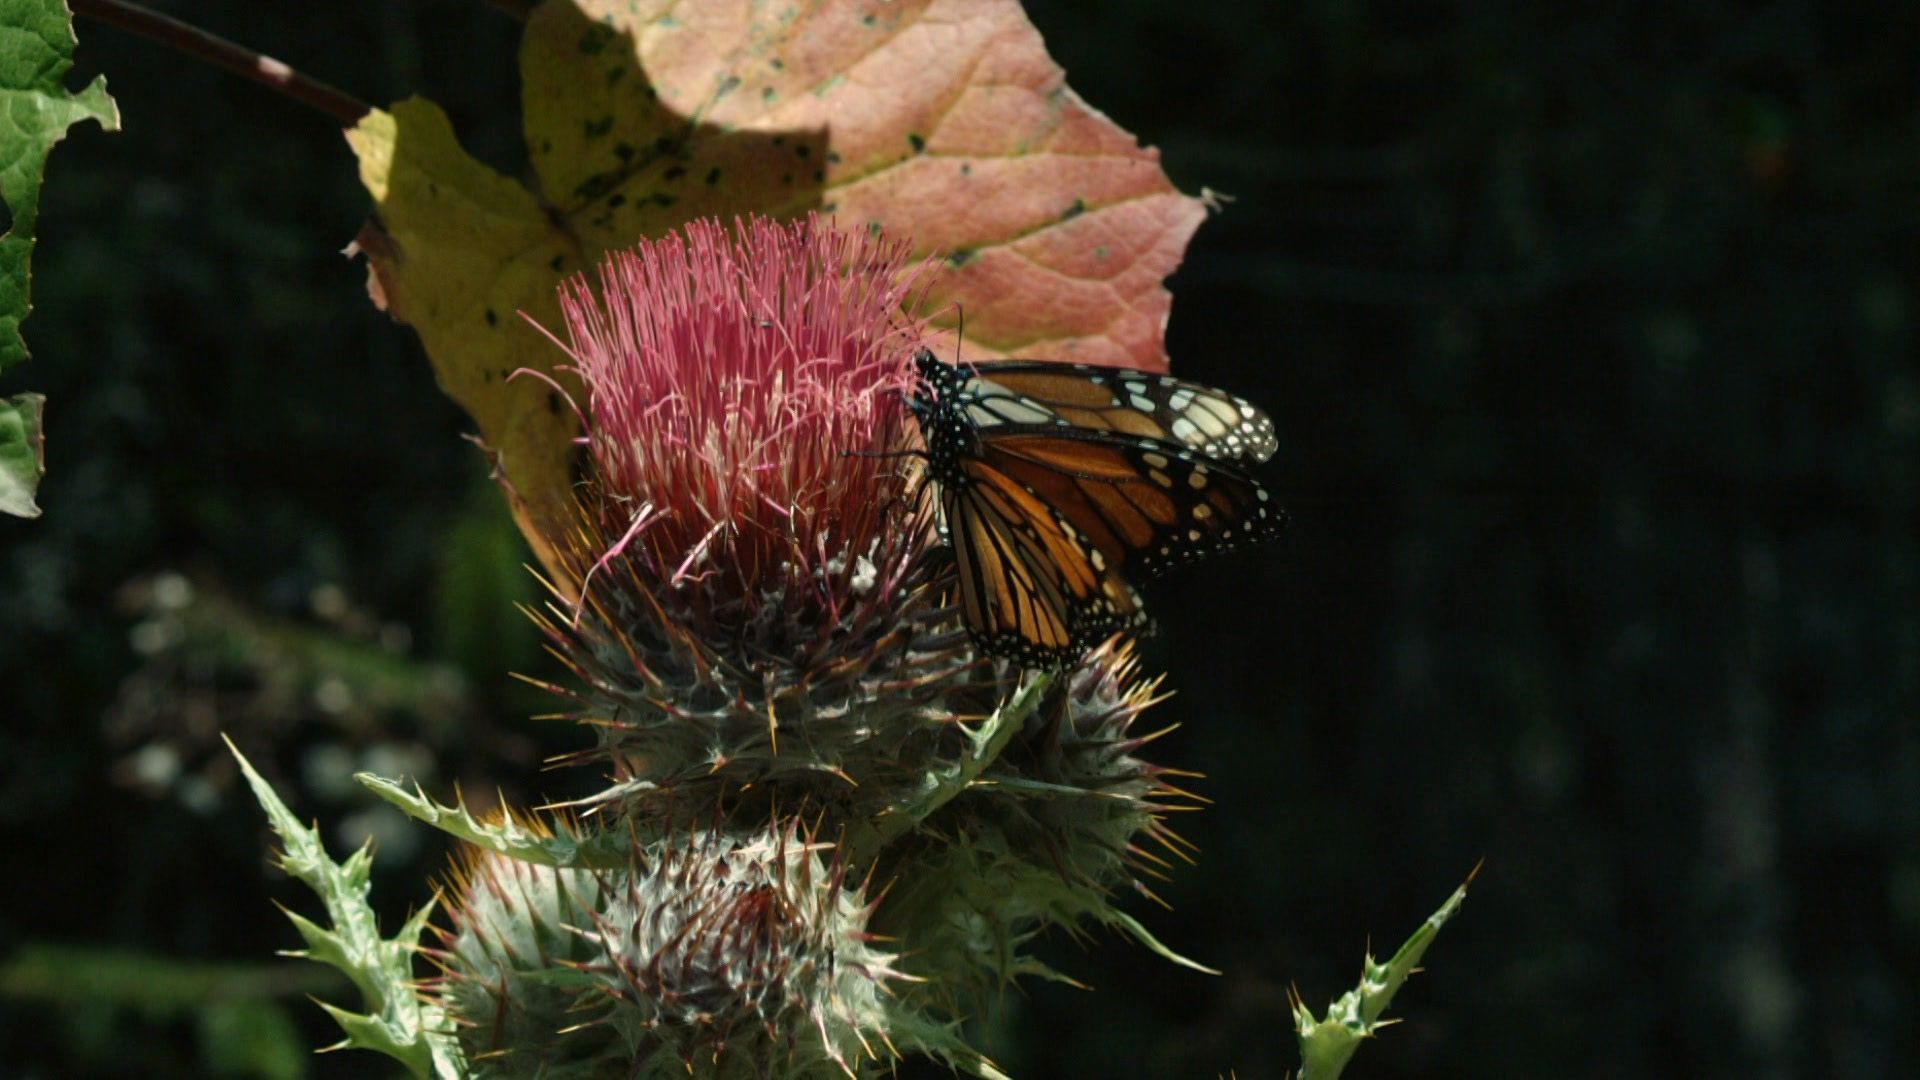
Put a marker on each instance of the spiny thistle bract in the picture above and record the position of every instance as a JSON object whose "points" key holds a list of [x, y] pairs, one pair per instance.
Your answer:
{"points": [[841, 827]]}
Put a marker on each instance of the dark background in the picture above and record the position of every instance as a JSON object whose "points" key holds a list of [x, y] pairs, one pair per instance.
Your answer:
{"points": [[1590, 337]]}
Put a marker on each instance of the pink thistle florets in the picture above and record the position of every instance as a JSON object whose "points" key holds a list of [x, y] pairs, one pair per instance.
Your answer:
{"points": [[739, 383], [752, 556]]}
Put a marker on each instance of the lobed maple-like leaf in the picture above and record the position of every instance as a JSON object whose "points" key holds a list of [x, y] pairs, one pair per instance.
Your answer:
{"points": [[943, 121], [36, 50]]}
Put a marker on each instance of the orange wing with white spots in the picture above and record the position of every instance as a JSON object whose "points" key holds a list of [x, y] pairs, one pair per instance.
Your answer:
{"points": [[1057, 482]]}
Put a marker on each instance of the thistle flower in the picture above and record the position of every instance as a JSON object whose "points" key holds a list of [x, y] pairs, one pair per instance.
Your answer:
{"points": [[758, 589]]}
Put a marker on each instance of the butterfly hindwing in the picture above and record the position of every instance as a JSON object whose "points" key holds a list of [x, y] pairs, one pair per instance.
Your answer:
{"points": [[1030, 585], [1144, 506]]}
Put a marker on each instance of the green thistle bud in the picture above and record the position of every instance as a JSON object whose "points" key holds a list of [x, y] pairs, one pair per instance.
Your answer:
{"points": [[506, 965], [714, 953]]}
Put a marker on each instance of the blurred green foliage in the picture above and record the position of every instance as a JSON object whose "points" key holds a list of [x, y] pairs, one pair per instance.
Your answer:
{"points": [[1590, 338], [97, 995]]}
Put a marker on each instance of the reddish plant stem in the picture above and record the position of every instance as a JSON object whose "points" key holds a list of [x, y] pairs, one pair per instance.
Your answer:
{"points": [[246, 63]]}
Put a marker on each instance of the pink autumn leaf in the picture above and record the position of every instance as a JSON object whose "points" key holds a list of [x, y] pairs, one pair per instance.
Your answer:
{"points": [[943, 122]]}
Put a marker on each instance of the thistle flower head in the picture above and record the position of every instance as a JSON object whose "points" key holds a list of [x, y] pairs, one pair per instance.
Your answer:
{"points": [[748, 559]]}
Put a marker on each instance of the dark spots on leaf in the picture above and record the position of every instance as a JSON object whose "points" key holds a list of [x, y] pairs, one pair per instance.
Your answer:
{"points": [[1079, 207], [616, 75], [869, 20], [777, 64], [546, 146], [559, 263], [727, 86], [961, 257], [1100, 252], [553, 403], [830, 208], [600, 127], [819, 176], [873, 230], [617, 201], [713, 176], [661, 198], [966, 168], [833, 157], [779, 140], [597, 185], [665, 144], [433, 189], [595, 39], [492, 319], [674, 172], [767, 93], [917, 141], [624, 150], [803, 150], [786, 178]]}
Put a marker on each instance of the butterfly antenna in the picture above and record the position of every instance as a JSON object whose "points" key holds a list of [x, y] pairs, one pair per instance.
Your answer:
{"points": [[960, 332]]}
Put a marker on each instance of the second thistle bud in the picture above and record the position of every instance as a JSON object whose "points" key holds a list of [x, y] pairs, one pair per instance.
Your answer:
{"points": [[718, 952]]}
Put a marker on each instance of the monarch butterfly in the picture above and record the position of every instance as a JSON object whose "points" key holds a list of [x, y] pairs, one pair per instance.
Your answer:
{"points": [[1058, 480]]}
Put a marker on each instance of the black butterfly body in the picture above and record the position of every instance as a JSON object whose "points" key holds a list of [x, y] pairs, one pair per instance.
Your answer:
{"points": [[1058, 482]]}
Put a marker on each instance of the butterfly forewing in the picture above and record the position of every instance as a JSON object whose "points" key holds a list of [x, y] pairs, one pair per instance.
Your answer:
{"points": [[1212, 422]]}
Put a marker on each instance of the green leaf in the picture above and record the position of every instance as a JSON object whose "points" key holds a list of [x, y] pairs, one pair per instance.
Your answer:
{"points": [[36, 50], [20, 460], [397, 1021], [1141, 934], [535, 843], [1327, 1044], [940, 786]]}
